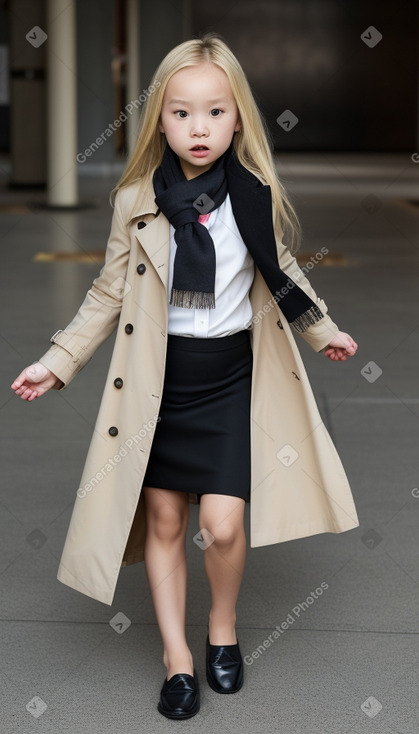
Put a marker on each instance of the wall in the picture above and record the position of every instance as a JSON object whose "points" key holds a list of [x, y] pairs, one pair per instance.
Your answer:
{"points": [[307, 56]]}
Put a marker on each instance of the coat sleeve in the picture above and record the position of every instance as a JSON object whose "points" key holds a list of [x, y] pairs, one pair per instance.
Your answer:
{"points": [[99, 313], [317, 335]]}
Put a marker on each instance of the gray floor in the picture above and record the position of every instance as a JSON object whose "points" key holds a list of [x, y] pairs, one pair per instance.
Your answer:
{"points": [[348, 662]]}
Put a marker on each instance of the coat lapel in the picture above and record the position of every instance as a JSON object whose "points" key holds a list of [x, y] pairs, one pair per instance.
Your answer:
{"points": [[153, 233], [154, 239]]}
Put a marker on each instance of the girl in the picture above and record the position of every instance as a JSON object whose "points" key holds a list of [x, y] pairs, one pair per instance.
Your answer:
{"points": [[206, 388]]}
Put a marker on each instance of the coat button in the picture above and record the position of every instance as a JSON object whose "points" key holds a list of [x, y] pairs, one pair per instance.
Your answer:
{"points": [[118, 382], [278, 323], [129, 329], [141, 225], [141, 268], [113, 431]]}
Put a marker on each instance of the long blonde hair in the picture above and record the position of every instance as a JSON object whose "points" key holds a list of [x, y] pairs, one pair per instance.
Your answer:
{"points": [[251, 142]]}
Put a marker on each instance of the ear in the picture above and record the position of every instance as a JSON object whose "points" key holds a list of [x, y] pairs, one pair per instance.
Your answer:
{"points": [[238, 126], [161, 130]]}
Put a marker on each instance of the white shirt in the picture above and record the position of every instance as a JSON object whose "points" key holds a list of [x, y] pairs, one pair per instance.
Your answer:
{"points": [[234, 273]]}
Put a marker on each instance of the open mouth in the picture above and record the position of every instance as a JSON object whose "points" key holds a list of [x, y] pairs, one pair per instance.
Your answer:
{"points": [[200, 147]]}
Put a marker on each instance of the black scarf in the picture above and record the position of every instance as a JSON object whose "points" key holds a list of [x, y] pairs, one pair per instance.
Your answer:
{"points": [[182, 201]]}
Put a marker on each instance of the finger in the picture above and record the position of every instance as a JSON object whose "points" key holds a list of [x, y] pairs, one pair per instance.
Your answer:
{"points": [[17, 383], [19, 380], [25, 394]]}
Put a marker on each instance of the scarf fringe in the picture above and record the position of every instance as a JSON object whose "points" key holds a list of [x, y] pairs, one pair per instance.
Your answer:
{"points": [[192, 299], [301, 323]]}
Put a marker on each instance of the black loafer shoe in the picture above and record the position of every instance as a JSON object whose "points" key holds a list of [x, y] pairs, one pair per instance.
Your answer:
{"points": [[179, 696], [224, 667]]}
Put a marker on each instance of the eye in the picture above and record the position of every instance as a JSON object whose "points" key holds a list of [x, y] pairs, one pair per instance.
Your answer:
{"points": [[215, 112], [181, 113]]}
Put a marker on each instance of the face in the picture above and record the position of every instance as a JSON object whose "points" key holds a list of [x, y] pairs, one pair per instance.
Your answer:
{"points": [[199, 116]]}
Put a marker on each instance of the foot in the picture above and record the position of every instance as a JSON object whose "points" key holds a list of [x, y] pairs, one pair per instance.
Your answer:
{"points": [[224, 667], [179, 696]]}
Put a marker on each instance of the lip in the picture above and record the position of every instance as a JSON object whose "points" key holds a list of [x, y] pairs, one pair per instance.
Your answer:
{"points": [[199, 151]]}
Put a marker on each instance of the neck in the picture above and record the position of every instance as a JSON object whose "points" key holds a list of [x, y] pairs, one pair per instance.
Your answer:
{"points": [[193, 173]]}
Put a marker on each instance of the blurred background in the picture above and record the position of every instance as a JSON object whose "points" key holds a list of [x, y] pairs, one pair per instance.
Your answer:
{"points": [[346, 69]]}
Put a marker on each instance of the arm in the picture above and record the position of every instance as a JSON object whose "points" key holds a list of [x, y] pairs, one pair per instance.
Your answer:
{"points": [[99, 313], [95, 320]]}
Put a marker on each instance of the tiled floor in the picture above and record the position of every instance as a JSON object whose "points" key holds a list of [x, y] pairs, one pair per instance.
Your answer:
{"points": [[348, 662]]}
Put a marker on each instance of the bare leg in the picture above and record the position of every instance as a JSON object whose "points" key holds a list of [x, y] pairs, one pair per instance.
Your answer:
{"points": [[167, 514], [224, 562]]}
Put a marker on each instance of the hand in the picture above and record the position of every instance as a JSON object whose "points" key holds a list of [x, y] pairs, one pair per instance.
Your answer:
{"points": [[34, 381], [341, 347]]}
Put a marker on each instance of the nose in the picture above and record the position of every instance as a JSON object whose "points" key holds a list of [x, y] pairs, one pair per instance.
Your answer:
{"points": [[199, 129]]}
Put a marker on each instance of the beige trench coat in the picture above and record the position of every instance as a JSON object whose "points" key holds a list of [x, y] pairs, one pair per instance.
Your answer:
{"points": [[298, 484]]}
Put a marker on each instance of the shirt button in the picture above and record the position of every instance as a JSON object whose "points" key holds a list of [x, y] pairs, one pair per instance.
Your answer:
{"points": [[118, 382], [141, 269], [129, 329], [141, 225], [113, 431]]}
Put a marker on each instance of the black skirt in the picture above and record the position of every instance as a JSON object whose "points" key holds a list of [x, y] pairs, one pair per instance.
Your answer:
{"points": [[202, 441]]}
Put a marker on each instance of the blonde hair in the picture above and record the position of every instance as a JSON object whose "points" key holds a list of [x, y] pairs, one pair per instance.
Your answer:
{"points": [[251, 142]]}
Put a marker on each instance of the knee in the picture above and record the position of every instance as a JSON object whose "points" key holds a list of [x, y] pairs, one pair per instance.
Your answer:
{"points": [[224, 533], [166, 523]]}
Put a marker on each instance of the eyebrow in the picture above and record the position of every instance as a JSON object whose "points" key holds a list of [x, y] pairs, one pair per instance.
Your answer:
{"points": [[210, 101]]}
